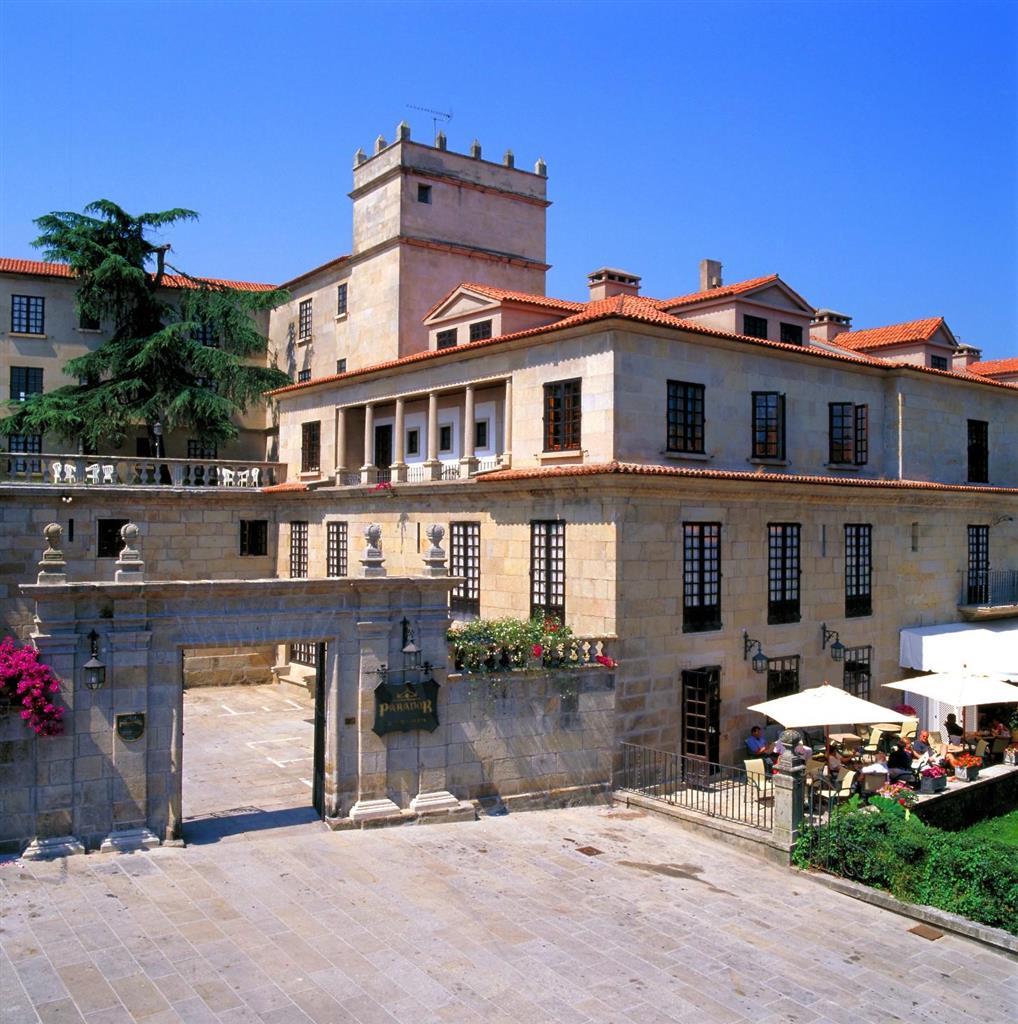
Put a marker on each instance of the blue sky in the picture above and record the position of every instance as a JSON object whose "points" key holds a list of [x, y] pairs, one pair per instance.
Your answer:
{"points": [[866, 152]]}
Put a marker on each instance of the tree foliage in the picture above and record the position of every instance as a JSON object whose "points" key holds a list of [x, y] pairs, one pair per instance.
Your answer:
{"points": [[175, 357]]}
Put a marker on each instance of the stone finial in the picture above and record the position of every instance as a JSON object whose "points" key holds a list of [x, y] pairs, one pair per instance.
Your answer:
{"points": [[52, 567], [441, 142], [130, 567], [379, 144], [372, 561], [434, 557], [541, 167], [475, 149], [359, 157], [508, 159], [403, 132]]}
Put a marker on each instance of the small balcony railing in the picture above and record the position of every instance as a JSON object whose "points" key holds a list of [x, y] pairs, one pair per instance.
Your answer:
{"points": [[118, 471], [993, 588]]}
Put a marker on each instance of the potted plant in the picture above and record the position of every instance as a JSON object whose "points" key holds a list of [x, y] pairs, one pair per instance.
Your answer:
{"points": [[966, 767], [1011, 754], [932, 779]]}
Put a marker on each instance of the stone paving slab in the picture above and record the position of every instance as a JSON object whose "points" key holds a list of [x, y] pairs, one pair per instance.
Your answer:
{"points": [[501, 921]]}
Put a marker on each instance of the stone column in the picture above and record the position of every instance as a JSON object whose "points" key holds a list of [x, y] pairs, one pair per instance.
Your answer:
{"points": [[468, 461], [789, 792], [333, 719], [340, 445], [399, 441], [507, 425], [368, 468], [372, 793], [433, 466]]}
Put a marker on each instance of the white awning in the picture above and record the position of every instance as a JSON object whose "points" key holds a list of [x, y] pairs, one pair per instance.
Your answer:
{"points": [[983, 648]]}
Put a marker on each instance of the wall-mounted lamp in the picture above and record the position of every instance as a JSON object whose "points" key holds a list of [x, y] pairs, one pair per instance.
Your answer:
{"points": [[1002, 519], [759, 659], [837, 648], [95, 670]]}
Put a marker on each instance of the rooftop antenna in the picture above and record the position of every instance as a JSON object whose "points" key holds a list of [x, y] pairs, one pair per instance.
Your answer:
{"points": [[436, 116]]}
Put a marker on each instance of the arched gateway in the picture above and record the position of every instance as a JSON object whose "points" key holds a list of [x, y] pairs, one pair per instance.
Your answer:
{"points": [[114, 776]]}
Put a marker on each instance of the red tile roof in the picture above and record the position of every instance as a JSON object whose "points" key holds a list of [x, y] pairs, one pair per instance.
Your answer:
{"points": [[293, 485], [895, 334], [992, 367], [39, 268], [718, 293], [507, 295]]}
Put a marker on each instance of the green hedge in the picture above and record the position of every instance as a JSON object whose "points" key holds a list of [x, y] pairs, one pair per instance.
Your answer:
{"points": [[917, 863], [499, 645]]}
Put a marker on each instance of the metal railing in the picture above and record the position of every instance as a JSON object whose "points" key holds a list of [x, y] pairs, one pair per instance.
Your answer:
{"points": [[119, 471], [994, 587], [715, 790]]}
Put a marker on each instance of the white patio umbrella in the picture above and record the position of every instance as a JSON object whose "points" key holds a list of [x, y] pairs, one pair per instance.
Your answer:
{"points": [[960, 689], [824, 705]]}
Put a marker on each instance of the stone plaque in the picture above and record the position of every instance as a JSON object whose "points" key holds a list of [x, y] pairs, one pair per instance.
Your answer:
{"points": [[403, 707], [131, 727]]}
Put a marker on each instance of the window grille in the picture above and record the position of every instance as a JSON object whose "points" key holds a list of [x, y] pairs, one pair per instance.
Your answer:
{"points": [[336, 549], [701, 577], [768, 425], [858, 569], [311, 447], [685, 417], [938, 362], [25, 381], [548, 568], [254, 536], [298, 549], [480, 331], [782, 676], [28, 314], [979, 564], [848, 434], [197, 449], [562, 411], [303, 376], [304, 653], [754, 326], [791, 334], [341, 294], [28, 444], [304, 320], [783, 573], [447, 339], [465, 543], [857, 676]]}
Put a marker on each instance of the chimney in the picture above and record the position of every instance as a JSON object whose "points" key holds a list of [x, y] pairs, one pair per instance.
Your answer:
{"points": [[710, 275], [964, 356], [826, 324], [606, 282]]}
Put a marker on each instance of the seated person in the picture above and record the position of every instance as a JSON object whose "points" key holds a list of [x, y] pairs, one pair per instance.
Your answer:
{"points": [[921, 747], [803, 751], [759, 747], [833, 762], [879, 766], [952, 728], [899, 764], [998, 728]]}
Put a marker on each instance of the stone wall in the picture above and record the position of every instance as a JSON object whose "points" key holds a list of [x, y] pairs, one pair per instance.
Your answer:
{"points": [[229, 666], [527, 737]]}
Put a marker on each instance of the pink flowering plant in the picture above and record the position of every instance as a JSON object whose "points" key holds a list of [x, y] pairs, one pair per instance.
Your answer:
{"points": [[25, 681], [933, 771]]}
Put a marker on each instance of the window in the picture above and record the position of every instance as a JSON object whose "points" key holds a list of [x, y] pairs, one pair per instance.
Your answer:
{"points": [[254, 536], [310, 447], [856, 680], [858, 569], [336, 549], [304, 320], [202, 449], [28, 314], [413, 441], [205, 334], [424, 193], [782, 676], [88, 323], [548, 568], [340, 366], [685, 417], [298, 549], [791, 334], [29, 444], [480, 331], [938, 362], [979, 451], [979, 565], [701, 577], [754, 326], [562, 415], [783, 572], [25, 381], [109, 543], [341, 294], [481, 434], [465, 541], [447, 339], [304, 653], [445, 437], [848, 434], [768, 425], [303, 375]]}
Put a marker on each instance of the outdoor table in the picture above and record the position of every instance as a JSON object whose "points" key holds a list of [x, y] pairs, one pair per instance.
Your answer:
{"points": [[845, 738]]}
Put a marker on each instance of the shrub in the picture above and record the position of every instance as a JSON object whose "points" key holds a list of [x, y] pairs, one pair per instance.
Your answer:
{"points": [[26, 681], [497, 645]]}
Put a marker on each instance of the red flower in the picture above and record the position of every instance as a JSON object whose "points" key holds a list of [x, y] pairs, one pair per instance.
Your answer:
{"points": [[537, 650], [603, 659]]}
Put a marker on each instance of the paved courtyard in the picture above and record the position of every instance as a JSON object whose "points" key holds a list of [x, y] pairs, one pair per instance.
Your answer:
{"points": [[505, 920]]}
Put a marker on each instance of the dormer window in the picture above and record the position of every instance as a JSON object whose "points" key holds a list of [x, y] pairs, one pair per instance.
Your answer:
{"points": [[446, 339], [938, 362], [480, 331], [791, 334], [754, 326]]}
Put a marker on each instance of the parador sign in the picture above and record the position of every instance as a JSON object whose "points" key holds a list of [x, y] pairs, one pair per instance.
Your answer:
{"points": [[404, 707]]}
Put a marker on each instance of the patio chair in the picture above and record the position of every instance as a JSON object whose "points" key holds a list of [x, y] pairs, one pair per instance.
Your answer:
{"points": [[56, 468], [92, 473], [756, 775], [872, 745], [999, 745], [873, 782], [909, 728], [936, 739], [255, 473], [844, 790], [109, 473], [981, 747], [225, 477]]}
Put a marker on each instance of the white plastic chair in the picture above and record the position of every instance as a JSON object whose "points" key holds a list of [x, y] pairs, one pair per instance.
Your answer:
{"points": [[70, 473], [55, 470], [255, 473], [225, 477], [243, 477], [92, 473], [109, 474]]}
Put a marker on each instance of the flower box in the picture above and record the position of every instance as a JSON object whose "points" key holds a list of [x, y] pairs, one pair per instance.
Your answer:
{"points": [[966, 774], [1010, 756], [932, 785]]}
